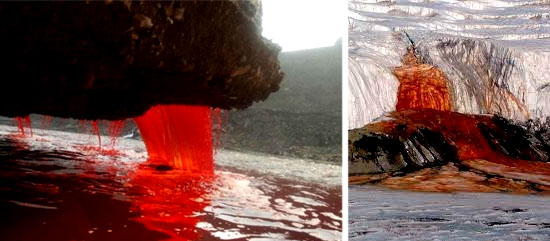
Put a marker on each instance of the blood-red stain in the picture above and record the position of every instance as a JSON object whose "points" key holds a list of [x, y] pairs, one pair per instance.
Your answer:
{"points": [[171, 201], [421, 86]]}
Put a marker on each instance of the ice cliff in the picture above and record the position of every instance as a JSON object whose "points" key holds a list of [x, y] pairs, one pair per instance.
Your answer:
{"points": [[495, 54]]}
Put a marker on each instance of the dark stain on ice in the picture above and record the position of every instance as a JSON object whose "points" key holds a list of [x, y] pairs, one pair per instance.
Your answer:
{"points": [[358, 234], [497, 223], [510, 210], [430, 219]]}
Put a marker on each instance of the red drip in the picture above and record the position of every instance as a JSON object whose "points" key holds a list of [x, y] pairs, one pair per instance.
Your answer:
{"points": [[115, 129], [95, 126], [20, 125], [23, 122], [179, 135], [28, 123], [170, 202]]}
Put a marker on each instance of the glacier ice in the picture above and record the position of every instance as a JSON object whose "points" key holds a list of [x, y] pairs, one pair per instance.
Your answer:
{"points": [[495, 54]]}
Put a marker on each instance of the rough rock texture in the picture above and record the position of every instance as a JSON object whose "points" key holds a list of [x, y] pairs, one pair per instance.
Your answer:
{"points": [[492, 53], [115, 59], [379, 153], [484, 146], [516, 141]]}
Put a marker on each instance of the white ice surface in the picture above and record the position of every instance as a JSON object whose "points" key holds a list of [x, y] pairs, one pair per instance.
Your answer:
{"points": [[506, 42]]}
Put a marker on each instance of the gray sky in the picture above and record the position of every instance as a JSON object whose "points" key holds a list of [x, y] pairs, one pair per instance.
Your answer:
{"points": [[303, 24]]}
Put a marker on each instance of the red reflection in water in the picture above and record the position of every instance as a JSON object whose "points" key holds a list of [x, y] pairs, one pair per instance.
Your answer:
{"points": [[172, 202], [178, 135]]}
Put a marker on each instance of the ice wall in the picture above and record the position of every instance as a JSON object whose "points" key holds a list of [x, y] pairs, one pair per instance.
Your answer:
{"points": [[496, 54], [372, 86]]}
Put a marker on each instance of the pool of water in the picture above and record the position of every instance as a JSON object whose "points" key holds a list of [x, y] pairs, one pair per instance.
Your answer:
{"points": [[60, 186]]}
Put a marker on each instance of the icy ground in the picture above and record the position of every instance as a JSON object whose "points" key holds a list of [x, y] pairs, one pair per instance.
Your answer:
{"points": [[377, 213]]}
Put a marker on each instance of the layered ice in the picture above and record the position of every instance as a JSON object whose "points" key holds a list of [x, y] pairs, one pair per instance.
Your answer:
{"points": [[495, 54]]}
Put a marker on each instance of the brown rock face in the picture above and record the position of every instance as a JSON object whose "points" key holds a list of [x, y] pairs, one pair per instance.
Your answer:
{"points": [[114, 60]]}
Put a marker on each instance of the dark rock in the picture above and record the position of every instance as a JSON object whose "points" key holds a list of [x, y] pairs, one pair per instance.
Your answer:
{"points": [[113, 60], [516, 141], [377, 153]]}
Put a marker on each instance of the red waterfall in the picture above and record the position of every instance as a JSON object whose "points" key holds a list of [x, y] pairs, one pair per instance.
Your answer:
{"points": [[422, 86], [179, 136]]}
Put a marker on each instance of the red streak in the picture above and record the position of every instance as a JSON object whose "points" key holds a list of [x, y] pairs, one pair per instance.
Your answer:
{"points": [[23, 122], [95, 126], [179, 136], [115, 128]]}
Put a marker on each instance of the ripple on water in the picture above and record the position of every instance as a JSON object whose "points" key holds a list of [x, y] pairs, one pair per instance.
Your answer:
{"points": [[64, 192]]}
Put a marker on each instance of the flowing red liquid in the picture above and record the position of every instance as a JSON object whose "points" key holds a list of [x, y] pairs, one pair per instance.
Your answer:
{"points": [[179, 136], [421, 86], [115, 129], [95, 126], [23, 122], [171, 203]]}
